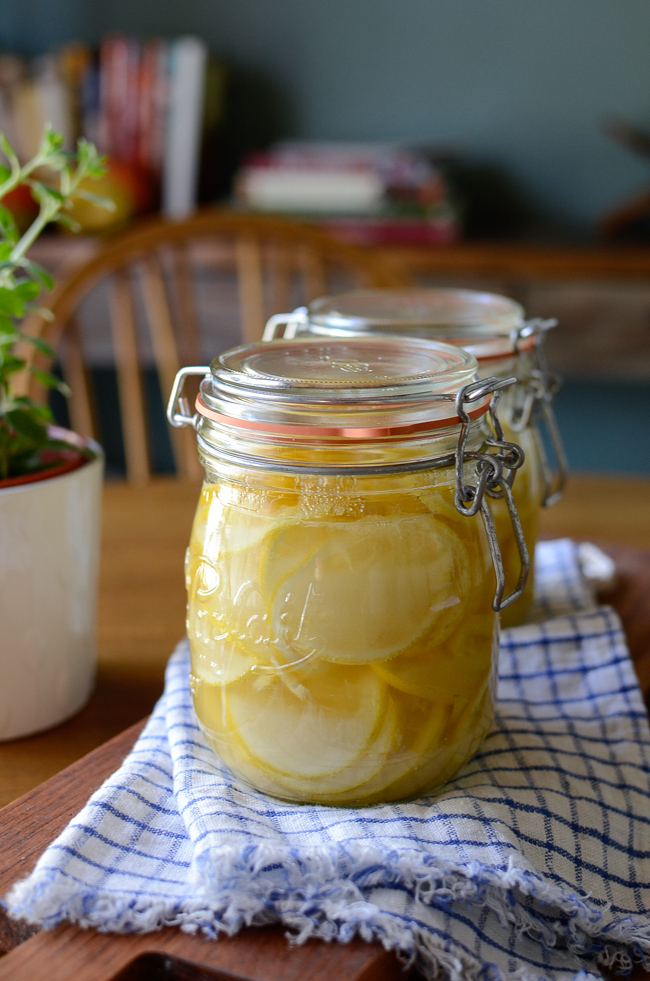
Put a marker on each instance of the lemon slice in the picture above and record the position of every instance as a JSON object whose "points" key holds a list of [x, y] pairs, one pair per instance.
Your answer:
{"points": [[219, 663], [231, 517], [290, 546], [447, 671], [434, 740], [338, 787], [372, 589], [419, 734], [309, 737]]}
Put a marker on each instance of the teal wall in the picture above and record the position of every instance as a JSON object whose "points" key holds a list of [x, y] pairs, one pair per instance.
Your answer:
{"points": [[526, 83]]}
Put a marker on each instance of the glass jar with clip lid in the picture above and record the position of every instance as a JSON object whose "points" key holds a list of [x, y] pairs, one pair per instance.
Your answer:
{"points": [[342, 563], [495, 330]]}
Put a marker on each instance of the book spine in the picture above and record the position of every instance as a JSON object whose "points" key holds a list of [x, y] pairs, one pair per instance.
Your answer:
{"points": [[187, 66], [73, 63], [13, 71], [54, 102], [90, 112], [119, 97], [151, 107], [28, 119]]}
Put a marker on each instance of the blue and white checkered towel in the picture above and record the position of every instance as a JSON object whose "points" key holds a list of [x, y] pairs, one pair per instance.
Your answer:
{"points": [[533, 863]]}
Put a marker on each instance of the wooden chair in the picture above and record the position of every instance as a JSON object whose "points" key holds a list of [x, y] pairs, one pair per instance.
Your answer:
{"points": [[157, 291]]}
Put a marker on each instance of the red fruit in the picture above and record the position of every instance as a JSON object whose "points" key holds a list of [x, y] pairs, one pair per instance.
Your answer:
{"points": [[22, 206], [128, 186]]}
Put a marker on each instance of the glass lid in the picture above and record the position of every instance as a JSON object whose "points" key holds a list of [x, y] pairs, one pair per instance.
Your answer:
{"points": [[482, 322], [324, 383]]}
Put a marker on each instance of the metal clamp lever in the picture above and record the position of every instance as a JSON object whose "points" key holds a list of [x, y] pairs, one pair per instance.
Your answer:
{"points": [[537, 405], [491, 482], [290, 323], [535, 327], [184, 417], [537, 408], [499, 603], [474, 392], [554, 477]]}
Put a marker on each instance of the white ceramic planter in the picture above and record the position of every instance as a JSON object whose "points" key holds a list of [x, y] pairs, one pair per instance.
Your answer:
{"points": [[49, 564]]}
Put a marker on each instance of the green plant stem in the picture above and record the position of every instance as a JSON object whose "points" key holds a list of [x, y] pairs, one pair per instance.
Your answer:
{"points": [[20, 174], [20, 248]]}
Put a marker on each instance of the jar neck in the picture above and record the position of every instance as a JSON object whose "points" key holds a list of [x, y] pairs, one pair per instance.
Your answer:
{"points": [[220, 444], [521, 365]]}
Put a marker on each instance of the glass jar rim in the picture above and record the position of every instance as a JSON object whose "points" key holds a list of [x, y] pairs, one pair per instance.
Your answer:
{"points": [[488, 325], [358, 387]]}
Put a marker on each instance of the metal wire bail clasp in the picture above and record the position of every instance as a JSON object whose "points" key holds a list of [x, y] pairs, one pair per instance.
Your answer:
{"points": [[537, 407], [178, 408], [289, 322], [495, 472]]}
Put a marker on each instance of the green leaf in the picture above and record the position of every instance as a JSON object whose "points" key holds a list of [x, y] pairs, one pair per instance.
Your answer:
{"points": [[40, 274], [51, 143], [7, 326], [46, 194], [43, 312], [8, 225], [57, 161], [90, 161], [49, 381], [40, 345], [8, 151], [40, 411], [27, 290], [11, 302], [98, 199], [11, 364], [23, 422], [68, 222]]}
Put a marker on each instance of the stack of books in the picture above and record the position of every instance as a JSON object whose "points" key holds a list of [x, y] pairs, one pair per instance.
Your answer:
{"points": [[144, 103], [365, 193]]}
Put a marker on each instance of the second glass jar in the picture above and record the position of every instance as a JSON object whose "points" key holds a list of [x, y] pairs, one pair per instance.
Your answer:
{"points": [[494, 329]]}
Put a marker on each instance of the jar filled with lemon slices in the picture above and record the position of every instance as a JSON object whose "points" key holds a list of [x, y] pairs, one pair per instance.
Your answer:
{"points": [[494, 329], [344, 571]]}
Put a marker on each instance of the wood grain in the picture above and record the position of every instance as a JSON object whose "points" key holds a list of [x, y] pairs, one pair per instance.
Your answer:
{"points": [[518, 260], [69, 954], [611, 509], [31, 822], [500, 259]]}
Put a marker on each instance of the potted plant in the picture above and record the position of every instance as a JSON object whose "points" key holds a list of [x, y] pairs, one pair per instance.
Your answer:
{"points": [[50, 479]]}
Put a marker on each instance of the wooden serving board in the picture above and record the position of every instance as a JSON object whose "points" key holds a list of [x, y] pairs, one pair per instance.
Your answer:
{"points": [[31, 822], [68, 953]]}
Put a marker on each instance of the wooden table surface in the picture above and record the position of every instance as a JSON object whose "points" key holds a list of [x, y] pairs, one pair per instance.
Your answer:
{"points": [[142, 604]]}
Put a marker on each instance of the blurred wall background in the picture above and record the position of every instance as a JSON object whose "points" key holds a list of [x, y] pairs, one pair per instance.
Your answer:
{"points": [[527, 84]]}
